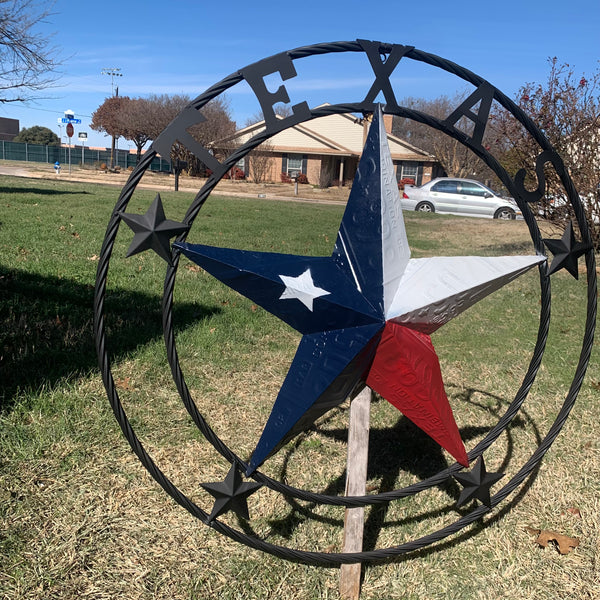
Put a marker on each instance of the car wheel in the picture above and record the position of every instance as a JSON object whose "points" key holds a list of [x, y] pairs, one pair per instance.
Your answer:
{"points": [[425, 207], [506, 214]]}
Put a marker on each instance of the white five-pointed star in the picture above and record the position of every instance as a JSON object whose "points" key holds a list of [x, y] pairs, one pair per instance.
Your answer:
{"points": [[302, 288]]}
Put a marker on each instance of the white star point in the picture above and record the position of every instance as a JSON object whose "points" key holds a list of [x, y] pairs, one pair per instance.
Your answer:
{"points": [[302, 288]]}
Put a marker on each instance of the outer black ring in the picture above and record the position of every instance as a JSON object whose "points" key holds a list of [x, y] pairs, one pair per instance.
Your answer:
{"points": [[375, 555]]}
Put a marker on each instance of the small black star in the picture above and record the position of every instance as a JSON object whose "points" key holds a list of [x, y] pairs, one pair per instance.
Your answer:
{"points": [[231, 494], [153, 230], [477, 484], [566, 252]]}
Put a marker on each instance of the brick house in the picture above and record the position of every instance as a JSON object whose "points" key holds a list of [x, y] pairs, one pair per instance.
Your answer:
{"points": [[327, 151]]}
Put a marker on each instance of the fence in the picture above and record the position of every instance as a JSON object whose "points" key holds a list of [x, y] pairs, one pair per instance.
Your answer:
{"points": [[80, 155]]}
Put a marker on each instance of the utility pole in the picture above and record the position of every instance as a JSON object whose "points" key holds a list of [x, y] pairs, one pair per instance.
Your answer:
{"points": [[113, 72]]}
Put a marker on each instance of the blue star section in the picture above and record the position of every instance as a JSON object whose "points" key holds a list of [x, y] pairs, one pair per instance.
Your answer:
{"points": [[261, 276], [327, 368], [358, 246]]}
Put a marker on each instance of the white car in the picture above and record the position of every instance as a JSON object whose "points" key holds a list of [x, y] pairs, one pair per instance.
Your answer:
{"points": [[460, 197]]}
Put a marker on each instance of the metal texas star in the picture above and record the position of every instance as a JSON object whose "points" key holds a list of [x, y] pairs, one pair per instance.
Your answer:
{"points": [[365, 312], [477, 484], [566, 252], [152, 230], [230, 494]]}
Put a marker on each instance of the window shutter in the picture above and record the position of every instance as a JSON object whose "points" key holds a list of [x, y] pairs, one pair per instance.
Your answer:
{"points": [[284, 163], [398, 167], [419, 174], [304, 163]]}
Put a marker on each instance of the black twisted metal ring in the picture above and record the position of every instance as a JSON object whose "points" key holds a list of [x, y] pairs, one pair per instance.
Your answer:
{"points": [[323, 558]]}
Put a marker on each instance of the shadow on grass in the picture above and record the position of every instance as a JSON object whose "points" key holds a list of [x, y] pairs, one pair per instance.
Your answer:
{"points": [[406, 448], [46, 330], [512, 248], [15, 189]]}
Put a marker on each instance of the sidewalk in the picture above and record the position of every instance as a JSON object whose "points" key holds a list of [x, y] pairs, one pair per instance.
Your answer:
{"points": [[166, 182]]}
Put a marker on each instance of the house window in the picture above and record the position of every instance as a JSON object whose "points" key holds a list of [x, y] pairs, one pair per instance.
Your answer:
{"points": [[241, 164], [410, 170], [294, 165]]}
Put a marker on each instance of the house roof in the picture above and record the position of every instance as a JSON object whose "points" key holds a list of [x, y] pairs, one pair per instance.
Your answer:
{"points": [[339, 135]]}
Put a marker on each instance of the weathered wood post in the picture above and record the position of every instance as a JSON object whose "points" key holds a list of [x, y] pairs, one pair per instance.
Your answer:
{"points": [[356, 478]]}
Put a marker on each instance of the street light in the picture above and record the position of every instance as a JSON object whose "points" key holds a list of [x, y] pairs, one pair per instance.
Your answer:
{"points": [[113, 72]]}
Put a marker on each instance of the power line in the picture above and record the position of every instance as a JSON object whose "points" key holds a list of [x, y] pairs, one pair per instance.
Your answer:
{"points": [[51, 111]]}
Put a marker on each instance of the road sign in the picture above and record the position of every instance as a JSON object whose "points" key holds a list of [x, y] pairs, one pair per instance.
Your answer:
{"points": [[65, 120], [82, 135], [70, 130]]}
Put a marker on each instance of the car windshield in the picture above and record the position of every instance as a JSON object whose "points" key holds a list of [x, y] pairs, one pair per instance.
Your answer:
{"points": [[497, 193]]}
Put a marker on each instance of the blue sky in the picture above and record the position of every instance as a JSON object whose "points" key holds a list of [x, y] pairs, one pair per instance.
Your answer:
{"points": [[184, 47]]}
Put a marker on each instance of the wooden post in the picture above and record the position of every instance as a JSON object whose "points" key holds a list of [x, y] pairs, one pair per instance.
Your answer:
{"points": [[356, 478]]}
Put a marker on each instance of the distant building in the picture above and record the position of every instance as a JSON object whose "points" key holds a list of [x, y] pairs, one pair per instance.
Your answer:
{"points": [[327, 151], [9, 128]]}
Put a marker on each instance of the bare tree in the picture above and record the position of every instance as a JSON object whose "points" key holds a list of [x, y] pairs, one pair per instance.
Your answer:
{"points": [[219, 125], [27, 58], [260, 161], [142, 119], [162, 109], [281, 110], [121, 116], [567, 109], [108, 117], [260, 158], [455, 158], [135, 119]]}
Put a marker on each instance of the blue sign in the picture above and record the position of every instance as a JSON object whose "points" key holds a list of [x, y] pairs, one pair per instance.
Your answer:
{"points": [[74, 121]]}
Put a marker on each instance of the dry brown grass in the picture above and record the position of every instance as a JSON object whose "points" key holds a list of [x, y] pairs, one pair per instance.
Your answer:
{"points": [[100, 528], [165, 181]]}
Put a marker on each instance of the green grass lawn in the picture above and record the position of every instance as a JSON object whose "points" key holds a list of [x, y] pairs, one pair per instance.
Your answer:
{"points": [[80, 518]]}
